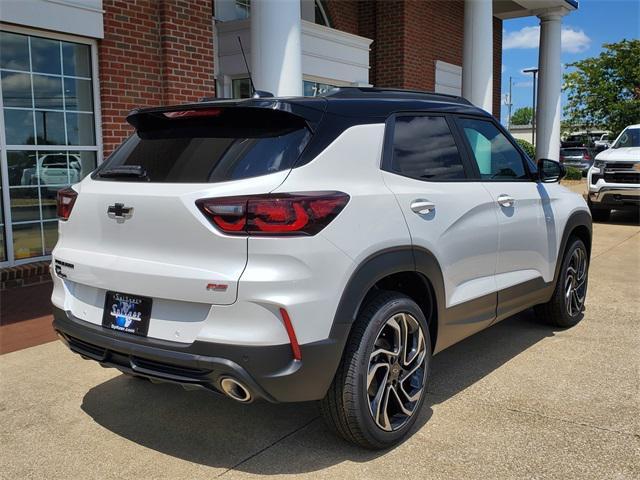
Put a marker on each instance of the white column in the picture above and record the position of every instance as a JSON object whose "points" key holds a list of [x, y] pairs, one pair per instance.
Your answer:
{"points": [[549, 86], [276, 46], [477, 63]]}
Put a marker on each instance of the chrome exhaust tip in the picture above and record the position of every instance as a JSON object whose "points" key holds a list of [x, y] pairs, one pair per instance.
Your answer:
{"points": [[236, 390]]}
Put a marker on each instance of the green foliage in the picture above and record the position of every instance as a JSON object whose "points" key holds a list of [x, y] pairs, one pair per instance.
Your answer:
{"points": [[573, 173], [604, 91], [522, 116], [527, 147]]}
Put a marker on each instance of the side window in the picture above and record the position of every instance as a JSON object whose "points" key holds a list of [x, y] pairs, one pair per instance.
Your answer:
{"points": [[424, 148], [495, 155]]}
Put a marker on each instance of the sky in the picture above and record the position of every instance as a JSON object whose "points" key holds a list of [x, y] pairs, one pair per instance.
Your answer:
{"points": [[583, 33]]}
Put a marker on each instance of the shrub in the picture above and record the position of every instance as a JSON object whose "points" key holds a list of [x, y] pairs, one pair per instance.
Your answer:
{"points": [[527, 147], [573, 173]]}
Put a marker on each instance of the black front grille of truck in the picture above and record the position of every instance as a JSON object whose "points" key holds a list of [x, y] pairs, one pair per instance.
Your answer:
{"points": [[622, 177]]}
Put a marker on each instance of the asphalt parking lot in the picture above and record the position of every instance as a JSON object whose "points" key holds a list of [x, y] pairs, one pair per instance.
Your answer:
{"points": [[519, 400]]}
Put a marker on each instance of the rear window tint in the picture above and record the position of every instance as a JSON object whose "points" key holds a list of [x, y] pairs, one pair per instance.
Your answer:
{"points": [[572, 152], [230, 146]]}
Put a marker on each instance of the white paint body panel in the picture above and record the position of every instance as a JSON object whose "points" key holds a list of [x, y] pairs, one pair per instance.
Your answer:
{"points": [[462, 232]]}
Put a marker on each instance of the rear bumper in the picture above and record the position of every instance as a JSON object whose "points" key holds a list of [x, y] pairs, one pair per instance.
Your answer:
{"points": [[269, 372]]}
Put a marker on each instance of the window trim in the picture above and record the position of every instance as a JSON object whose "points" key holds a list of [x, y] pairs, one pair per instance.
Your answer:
{"points": [[386, 163], [4, 168], [531, 177]]}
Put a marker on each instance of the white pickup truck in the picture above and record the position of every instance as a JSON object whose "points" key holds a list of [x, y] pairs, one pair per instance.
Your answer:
{"points": [[614, 178]]}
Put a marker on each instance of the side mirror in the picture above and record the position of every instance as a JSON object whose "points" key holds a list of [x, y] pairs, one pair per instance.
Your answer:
{"points": [[550, 171]]}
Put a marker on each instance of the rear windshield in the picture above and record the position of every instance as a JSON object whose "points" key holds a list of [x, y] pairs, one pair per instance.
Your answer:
{"points": [[572, 152], [231, 144]]}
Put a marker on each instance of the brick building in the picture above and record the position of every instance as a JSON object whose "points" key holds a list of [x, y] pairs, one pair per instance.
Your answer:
{"points": [[70, 70]]}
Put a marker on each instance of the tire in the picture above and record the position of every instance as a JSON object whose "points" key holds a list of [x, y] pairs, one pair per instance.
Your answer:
{"points": [[562, 310], [599, 214], [346, 406]]}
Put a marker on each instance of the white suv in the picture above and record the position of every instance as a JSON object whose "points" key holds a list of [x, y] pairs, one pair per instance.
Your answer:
{"points": [[295, 249]]}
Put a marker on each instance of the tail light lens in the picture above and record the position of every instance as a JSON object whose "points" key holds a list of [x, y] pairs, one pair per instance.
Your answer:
{"points": [[274, 214], [66, 198], [586, 156]]}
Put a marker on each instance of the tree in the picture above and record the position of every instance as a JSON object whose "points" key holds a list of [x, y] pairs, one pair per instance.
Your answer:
{"points": [[604, 91], [528, 147], [522, 116]]}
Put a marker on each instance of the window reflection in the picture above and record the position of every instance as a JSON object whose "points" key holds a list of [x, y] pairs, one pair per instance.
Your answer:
{"points": [[14, 51]]}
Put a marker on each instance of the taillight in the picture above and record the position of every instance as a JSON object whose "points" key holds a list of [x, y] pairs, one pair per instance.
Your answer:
{"points": [[274, 214], [65, 200], [586, 156]]}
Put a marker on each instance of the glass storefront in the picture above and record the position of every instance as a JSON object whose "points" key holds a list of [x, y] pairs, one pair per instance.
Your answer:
{"points": [[48, 136]]}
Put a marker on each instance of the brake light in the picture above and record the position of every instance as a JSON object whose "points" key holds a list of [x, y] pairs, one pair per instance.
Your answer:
{"points": [[201, 112], [66, 198], [274, 214], [586, 156]]}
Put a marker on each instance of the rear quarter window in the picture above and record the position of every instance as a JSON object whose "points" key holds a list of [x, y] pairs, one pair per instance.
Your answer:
{"points": [[231, 145], [424, 148]]}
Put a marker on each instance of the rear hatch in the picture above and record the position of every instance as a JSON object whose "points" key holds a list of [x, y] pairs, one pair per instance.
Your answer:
{"points": [[135, 227]]}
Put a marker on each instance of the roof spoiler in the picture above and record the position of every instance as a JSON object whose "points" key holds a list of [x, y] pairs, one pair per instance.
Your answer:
{"points": [[311, 112]]}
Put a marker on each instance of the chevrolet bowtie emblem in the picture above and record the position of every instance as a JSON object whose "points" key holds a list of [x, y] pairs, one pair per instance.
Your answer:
{"points": [[119, 212]]}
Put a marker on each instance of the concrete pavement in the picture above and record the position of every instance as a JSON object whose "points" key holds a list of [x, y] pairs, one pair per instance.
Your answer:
{"points": [[519, 400]]}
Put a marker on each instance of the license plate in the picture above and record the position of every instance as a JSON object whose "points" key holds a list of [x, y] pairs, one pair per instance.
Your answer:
{"points": [[127, 313]]}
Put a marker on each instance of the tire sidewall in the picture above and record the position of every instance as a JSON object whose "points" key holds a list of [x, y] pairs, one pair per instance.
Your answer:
{"points": [[398, 304]]}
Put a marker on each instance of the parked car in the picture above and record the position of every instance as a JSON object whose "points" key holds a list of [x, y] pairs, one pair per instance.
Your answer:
{"points": [[614, 178], [577, 157], [602, 142], [52, 169], [577, 140], [295, 249]]}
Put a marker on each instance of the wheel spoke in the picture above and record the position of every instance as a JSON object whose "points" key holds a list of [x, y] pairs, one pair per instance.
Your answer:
{"points": [[402, 406], [373, 369], [374, 405], [384, 422]]}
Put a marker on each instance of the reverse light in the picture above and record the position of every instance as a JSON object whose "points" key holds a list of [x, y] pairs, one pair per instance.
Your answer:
{"points": [[65, 200], [283, 214]]}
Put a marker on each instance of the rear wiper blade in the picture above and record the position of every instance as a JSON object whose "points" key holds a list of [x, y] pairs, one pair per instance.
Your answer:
{"points": [[124, 171]]}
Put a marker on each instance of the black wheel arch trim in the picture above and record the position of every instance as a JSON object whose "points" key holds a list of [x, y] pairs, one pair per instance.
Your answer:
{"points": [[580, 218]]}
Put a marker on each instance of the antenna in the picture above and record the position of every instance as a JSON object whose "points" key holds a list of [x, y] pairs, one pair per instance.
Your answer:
{"points": [[253, 87], [255, 93]]}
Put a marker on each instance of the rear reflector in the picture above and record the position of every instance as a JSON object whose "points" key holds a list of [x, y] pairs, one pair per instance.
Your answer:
{"points": [[295, 347], [66, 198], [274, 214]]}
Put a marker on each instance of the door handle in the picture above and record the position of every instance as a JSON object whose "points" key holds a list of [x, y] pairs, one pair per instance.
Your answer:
{"points": [[422, 207], [506, 201]]}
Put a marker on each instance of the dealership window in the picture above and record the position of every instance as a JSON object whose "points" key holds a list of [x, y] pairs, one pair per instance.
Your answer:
{"points": [[48, 136]]}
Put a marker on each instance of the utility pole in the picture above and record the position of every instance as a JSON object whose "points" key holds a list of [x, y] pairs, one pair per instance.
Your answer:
{"points": [[509, 105], [533, 116]]}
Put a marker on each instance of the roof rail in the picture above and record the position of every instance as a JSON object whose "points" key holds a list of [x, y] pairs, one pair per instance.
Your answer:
{"points": [[372, 92]]}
